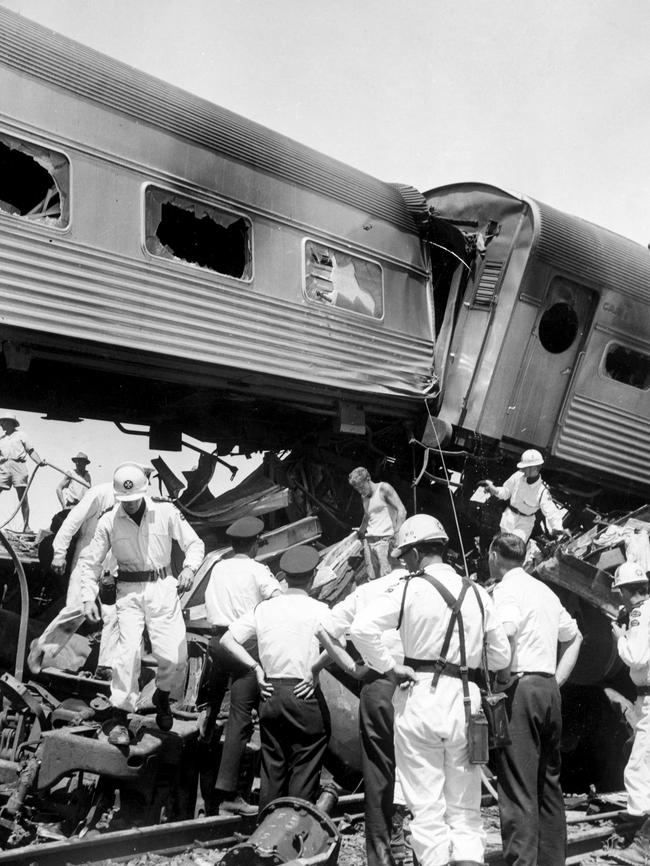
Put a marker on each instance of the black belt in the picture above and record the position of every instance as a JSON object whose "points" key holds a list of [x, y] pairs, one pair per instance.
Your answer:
{"points": [[218, 630], [284, 681], [444, 669], [532, 674], [144, 576], [642, 691], [521, 513]]}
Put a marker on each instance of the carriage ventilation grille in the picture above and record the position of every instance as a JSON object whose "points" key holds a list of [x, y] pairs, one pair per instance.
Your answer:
{"points": [[486, 291]]}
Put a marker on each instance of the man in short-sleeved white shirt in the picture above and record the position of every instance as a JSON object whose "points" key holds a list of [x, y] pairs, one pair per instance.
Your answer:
{"points": [[294, 720], [236, 586], [533, 824]]}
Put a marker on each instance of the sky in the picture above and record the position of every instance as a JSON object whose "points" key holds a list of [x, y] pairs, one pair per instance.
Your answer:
{"points": [[544, 97]]}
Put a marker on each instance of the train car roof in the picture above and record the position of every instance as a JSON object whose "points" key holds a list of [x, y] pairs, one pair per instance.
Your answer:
{"points": [[600, 256], [32, 49]]}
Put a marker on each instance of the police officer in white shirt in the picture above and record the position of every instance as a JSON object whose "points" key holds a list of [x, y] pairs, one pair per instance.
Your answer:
{"points": [[375, 720], [526, 494], [533, 825], [441, 788], [236, 586], [140, 531], [633, 642], [294, 719]]}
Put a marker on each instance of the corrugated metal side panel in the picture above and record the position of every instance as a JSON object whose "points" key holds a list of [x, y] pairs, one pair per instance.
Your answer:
{"points": [[80, 293], [59, 61], [606, 438], [599, 256]]}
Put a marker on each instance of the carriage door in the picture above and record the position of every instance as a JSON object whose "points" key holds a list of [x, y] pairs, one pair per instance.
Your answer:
{"points": [[558, 335]]}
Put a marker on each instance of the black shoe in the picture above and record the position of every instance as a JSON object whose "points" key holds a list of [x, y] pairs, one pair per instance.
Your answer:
{"points": [[103, 672], [164, 718], [118, 734]]}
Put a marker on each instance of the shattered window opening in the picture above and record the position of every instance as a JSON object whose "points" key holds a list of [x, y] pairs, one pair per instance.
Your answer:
{"points": [[34, 182], [558, 328], [337, 279], [627, 366], [186, 230]]}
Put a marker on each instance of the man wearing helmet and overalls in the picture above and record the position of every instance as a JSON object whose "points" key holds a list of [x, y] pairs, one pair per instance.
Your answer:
{"points": [[139, 531], [440, 785], [633, 643], [526, 494]]}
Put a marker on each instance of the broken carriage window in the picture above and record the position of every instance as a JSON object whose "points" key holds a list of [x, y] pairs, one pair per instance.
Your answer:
{"points": [[337, 279], [628, 366], [194, 232], [34, 182]]}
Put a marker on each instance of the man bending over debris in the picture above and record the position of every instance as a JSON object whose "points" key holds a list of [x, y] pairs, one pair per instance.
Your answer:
{"points": [[384, 513]]}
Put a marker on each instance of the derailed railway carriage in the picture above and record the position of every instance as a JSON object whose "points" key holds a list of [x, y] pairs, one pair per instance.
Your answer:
{"points": [[546, 338], [147, 236]]}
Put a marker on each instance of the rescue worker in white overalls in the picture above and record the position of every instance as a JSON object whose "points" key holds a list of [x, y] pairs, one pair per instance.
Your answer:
{"points": [[633, 643], [441, 787], [139, 531], [526, 494]]}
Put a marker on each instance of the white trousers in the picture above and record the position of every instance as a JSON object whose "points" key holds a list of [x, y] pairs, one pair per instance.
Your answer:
{"points": [[441, 788], [517, 524], [376, 554], [637, 771], [154, 604]]}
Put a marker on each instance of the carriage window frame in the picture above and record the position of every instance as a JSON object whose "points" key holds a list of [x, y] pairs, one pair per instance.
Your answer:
{"points": [[194, 204], [46, 156], [613, 345], [314, 302]]}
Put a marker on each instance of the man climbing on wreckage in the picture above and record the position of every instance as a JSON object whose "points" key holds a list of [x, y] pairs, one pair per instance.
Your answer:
{"points": [[139, 531], [526, 494]]}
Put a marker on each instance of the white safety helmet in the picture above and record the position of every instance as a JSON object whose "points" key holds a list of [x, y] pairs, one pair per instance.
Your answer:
{"points": [[129, 482], [420, 527], [529, 458], [628, 573]]}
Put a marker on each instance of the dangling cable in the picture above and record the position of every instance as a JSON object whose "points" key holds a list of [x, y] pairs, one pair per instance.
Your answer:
{"points": [[451, 498]]}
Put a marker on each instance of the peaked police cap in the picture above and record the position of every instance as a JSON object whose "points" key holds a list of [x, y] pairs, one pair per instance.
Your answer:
{"points": [[245, 527], [299, 560]]}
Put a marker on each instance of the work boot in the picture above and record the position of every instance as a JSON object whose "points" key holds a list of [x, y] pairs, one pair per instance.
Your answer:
{"points": [[638, 853], [119, 733], [164, 718], [236, 805], [103, 672]]}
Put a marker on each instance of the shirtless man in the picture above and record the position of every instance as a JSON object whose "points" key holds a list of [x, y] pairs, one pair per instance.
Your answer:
{"points": [[384, 513]]}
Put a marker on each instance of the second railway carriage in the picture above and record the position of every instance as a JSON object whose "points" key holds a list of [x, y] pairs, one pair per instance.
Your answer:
{"points": [[148, 236], [545, 340]]}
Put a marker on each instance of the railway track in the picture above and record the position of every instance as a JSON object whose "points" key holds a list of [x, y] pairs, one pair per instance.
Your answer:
{"points": [[225, 831]]}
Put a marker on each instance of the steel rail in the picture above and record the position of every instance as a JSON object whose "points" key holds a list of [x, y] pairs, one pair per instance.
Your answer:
{"points": [[223, 831], [174, 837]]}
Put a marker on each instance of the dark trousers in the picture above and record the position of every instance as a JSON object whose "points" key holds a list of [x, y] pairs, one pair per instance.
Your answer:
{"points": [[294, 733], [244, 698], [533, 822], [378, 766]]}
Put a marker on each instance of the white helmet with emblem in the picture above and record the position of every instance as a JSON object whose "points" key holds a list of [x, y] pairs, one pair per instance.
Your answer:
{"points": [[629, 573], [529, 458], [129, 482], [419, 528]]}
